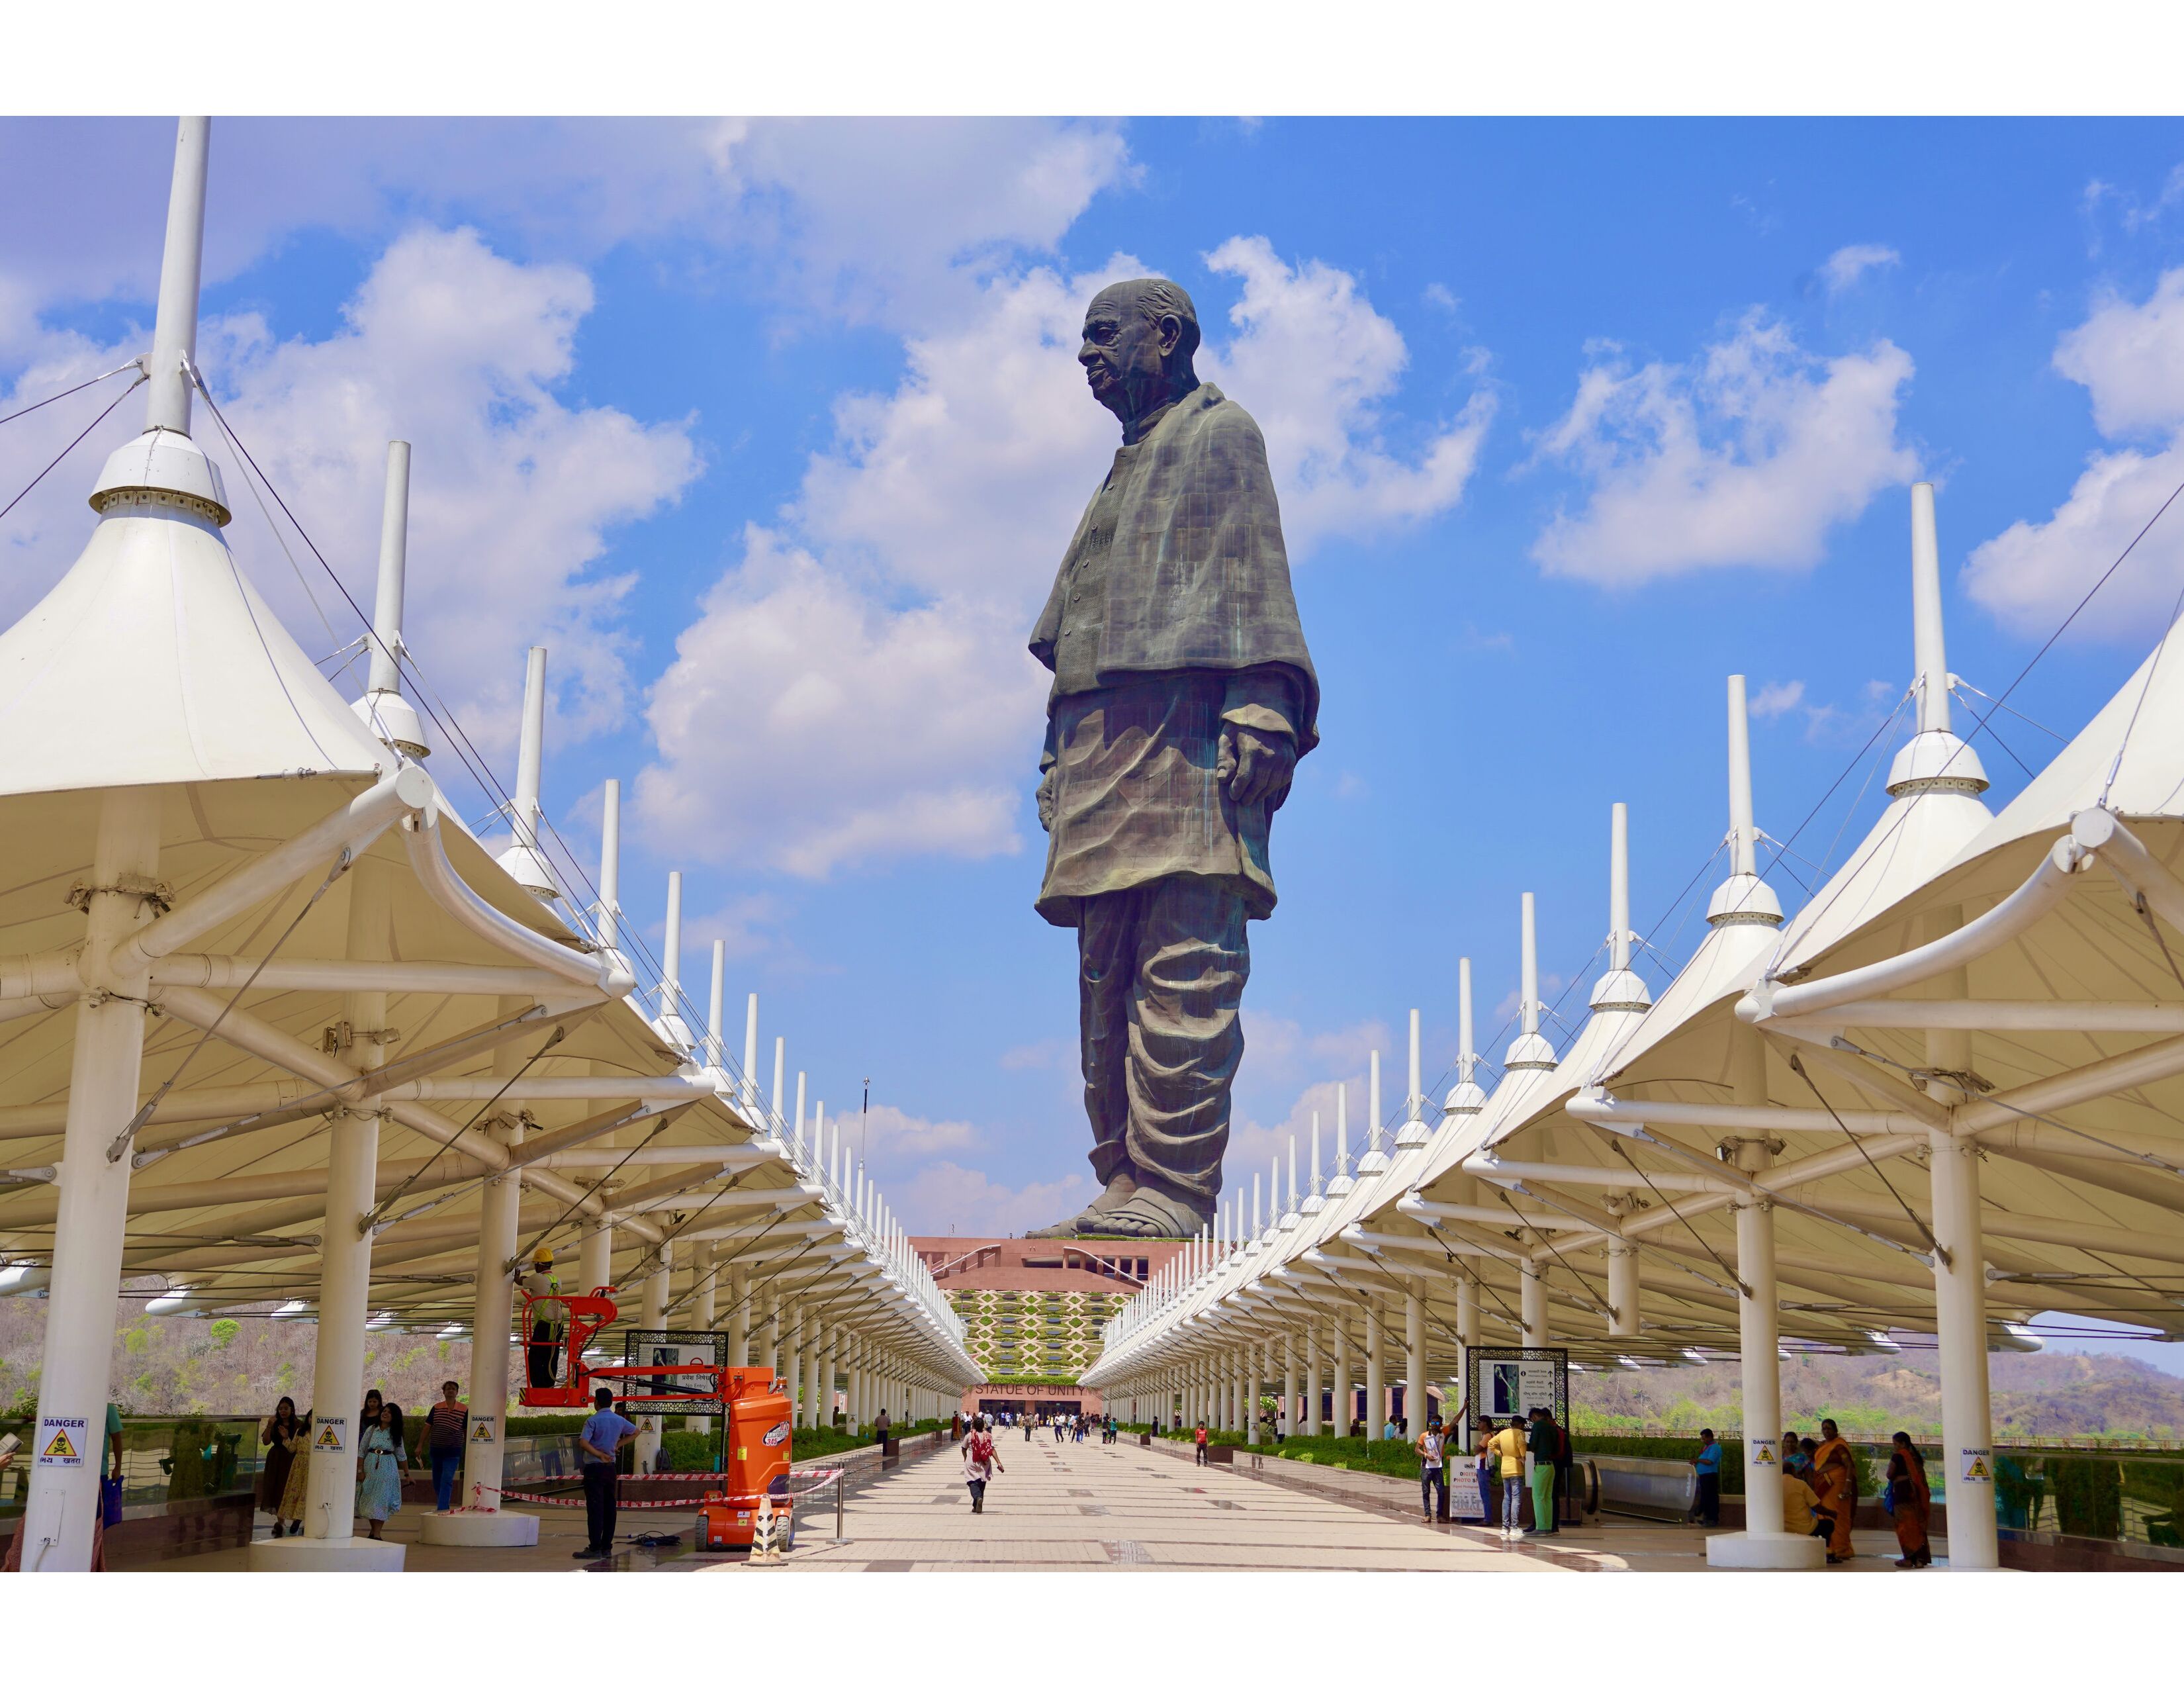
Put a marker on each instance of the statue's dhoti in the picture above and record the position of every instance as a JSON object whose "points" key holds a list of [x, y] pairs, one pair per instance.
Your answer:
{"points": [[1160, 977]]}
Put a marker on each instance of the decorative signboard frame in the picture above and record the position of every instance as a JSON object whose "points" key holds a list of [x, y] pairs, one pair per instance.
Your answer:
{"points": [[676, 1348]]}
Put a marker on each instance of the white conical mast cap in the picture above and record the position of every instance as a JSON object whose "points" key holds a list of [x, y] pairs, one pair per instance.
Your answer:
{"points": [[1530, 1049], [1621, 990], [1743, 899], [1935, 759], [1464, 1096]]}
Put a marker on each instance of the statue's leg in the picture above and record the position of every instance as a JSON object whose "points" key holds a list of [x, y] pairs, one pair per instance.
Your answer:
{"points": [[1186, 1040], [1107, 962]]}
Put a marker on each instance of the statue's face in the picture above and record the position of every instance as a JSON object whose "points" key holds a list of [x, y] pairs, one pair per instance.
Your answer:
{"points": [[1124, 354]]}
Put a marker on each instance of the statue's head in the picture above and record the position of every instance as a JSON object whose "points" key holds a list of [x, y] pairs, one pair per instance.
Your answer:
{"points": [[1139, 338]]}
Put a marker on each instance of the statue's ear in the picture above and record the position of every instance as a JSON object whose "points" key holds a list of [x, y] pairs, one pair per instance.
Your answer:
{"points": [[1169, 332]]}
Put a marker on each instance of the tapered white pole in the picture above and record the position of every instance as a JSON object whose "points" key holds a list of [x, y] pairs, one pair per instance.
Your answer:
{"points": [[386, 674], [610, 864], [671, 984], [175, 329], [749, 1087], [531, 754], [1933, 661], [780, 1067], [715, 1002], [1530, 1005], [1618, 888], [1743, 853], [1467, 1050]]}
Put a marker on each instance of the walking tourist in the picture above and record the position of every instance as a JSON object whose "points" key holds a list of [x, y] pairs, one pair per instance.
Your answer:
{"points": [[880, 1428], [380, 1461], [281, 1438], [1835, 1477], [1910, 1502], [604, 1434], [1708, 1466], [1200, 1435], [1483, 1466], [1565, 1469], [981, 1460], [289, 1512], [445, 1426], [1541, 1439], [1433, 1473], [1508, 1446]]}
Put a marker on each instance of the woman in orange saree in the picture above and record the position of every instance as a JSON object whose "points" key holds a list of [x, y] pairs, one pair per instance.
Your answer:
{"points": [[1835, 1475], [1911, 1501]]}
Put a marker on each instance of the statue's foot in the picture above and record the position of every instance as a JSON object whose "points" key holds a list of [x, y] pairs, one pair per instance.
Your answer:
{"points": [[1151, 1214], [1120, 1188]]}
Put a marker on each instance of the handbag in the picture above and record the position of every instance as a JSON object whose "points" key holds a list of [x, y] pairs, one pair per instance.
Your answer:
{"points": [[110, 1500]]}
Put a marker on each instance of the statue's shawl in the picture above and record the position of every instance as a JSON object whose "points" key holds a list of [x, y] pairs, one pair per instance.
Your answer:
{"points": [[1196, 575]]}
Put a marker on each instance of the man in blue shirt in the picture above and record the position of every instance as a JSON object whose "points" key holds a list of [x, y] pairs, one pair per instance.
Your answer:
{"points": [[605, 1432], [1708, 1466]]}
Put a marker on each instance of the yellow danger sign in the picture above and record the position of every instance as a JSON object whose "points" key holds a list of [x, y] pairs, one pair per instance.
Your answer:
{"points": [[329, 1436], [1763, 1453], [1978, 1466], [60, 1447], [481, 1429]]}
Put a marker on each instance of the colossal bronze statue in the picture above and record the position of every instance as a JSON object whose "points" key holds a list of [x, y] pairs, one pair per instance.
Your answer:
{"points": [[1182, 696]]}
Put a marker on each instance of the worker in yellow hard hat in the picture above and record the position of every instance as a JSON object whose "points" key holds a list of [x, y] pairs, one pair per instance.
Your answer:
{"points": [[543, 1290]]}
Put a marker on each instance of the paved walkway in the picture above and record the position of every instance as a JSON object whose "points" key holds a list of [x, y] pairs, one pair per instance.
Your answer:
{"points": [[1090, 1507]]}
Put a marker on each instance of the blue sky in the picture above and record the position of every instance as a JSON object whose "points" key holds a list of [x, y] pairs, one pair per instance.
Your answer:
{"points": [[771, 433]]}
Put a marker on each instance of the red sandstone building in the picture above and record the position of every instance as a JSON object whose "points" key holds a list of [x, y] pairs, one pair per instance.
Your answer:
{"points": [[1033, 1308]]}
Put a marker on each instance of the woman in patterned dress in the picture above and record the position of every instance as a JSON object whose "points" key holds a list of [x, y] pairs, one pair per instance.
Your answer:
{"points": [[380, 1460]]}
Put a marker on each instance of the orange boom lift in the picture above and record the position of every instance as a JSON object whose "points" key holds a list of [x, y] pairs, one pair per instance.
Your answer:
{"points": [[751, 1398]]}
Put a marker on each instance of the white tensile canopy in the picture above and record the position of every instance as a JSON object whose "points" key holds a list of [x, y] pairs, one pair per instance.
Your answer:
{"points": [[1939, 1100], [276, 1028]]}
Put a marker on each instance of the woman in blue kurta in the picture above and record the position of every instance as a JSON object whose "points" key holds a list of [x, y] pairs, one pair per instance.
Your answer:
{"points": [[380, 1460]]}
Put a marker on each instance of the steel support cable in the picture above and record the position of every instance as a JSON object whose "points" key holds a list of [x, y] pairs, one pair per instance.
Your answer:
{"points": [[72, 445], [442, 717], [136, 363], [660, 1248], [1517, 1214], [370, 1219], [1668, 1256], [1426, 1305], [1728, 1271], [1777, 1198], [1846, 1044], [115, 1150], [562, 1218]]}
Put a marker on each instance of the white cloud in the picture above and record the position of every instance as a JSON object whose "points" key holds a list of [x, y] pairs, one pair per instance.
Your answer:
{"points": [[805, 724], [1054, 1054], [892, 1138], [1315, 365], [1847, 264], [1746, 458], [946, 1197], [858, 689], [1778, 697], [2033, 573], [2129, 358], [514, 492]]}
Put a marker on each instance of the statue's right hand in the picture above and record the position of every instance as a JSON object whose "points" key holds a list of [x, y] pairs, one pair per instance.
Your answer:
{"points": [[1047, 784]]}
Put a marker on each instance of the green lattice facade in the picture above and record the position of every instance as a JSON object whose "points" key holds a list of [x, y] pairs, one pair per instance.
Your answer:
{"points": [[1052, 1333]]}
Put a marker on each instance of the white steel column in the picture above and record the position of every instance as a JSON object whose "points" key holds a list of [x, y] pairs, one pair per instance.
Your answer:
{"points": [[1622, 1288], [1414, 1365], [103, 1074], [651, 1314], [1252, 1372], [1376, 1372], [1289, 1419], [704, 1300], [1960, 1329], [1312, 1411], [1467, 1336], [345, 1277], [1343, 1403], [595, 1258], [1532, 1305], [739, 1316]]}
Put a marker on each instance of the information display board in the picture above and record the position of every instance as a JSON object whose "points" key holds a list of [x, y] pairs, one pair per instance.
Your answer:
{"points": [[675, 1348], [1508, 1383]]}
